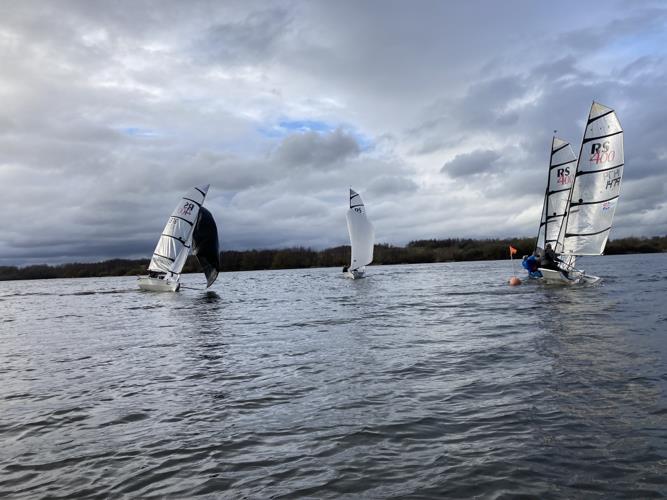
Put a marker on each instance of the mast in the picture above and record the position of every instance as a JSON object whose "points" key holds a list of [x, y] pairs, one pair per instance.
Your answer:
{"points": [[546, 195]]}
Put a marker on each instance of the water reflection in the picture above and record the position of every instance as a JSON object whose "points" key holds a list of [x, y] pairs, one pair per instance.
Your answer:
{"points": [[419, 381], [594, 387], [210, 297]]}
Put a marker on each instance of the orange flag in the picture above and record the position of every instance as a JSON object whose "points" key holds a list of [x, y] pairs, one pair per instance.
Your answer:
{"points": [[512, 250]]}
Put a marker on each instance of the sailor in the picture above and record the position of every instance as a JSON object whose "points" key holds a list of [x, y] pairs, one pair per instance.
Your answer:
{"points": [[530, 263], [345, 268], [550, 259]]}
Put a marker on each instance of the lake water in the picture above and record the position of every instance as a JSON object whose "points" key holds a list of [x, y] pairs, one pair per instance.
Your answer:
{"points": [[422, 381]]}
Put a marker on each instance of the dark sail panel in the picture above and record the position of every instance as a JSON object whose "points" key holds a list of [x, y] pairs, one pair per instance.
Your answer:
{"points": [[205, 245]]}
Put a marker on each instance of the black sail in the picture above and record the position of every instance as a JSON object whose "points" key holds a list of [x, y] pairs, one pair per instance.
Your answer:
{"points": [[205, 245]]}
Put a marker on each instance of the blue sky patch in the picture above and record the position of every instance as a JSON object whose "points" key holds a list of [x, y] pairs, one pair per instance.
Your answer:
{"points": [[306, 126], [138, 132]]}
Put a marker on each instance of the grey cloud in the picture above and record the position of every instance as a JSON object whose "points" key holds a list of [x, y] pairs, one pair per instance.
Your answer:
{"points": [[389, 185], [614, 26], [641, 196], [249, 40], [482, 108], [224, 171], [317, 150], [474, 163]]}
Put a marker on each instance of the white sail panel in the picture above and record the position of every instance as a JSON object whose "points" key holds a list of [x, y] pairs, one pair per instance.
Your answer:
{"points": [[362, 233], [182, 256], [175, 241], [597, 184], [597, 110], [562, 167], [356, 203]]}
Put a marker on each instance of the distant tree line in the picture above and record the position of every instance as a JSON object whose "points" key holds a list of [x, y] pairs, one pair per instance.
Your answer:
{"points": [[415, 252]]}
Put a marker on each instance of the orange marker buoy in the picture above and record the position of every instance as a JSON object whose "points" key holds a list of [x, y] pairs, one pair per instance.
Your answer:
{"points": [[514, 281]]}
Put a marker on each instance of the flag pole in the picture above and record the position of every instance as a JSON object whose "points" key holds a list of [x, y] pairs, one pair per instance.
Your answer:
{"points": [[514, 280]]}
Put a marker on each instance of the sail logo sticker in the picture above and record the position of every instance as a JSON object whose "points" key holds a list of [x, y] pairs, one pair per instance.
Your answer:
{"points": [[600, 153], [606, 206], [563, 176], [186, 209]]}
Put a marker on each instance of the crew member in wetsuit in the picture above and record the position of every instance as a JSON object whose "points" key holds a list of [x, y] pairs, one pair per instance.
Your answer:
{"points": [[550, 260], [531, 264], [345, 268]]}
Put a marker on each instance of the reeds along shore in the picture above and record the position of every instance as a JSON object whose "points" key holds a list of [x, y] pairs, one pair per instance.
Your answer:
{"points": [[415, 252]]}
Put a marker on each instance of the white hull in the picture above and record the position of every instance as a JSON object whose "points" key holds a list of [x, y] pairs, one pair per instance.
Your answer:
{"points": [[355, 275], [574, 277], [158, 284], [555, 277]]}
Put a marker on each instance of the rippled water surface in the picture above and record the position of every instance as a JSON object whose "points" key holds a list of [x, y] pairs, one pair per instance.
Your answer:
{"points": [[419, 381]]}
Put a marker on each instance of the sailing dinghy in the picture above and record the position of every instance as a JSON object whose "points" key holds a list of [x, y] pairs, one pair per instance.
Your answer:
{"points": [[362, 237], [594, 195], [562, 165], [190, 227]]}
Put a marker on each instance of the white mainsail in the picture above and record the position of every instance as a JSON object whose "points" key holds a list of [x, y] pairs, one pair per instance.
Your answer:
{"points": [[560, 179], [362, 234], [597, 185], [174, 244]]}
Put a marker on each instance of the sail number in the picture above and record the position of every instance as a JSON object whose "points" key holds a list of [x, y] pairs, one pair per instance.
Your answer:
{"points": [[612, 178], [600, 153], [358, 210]]}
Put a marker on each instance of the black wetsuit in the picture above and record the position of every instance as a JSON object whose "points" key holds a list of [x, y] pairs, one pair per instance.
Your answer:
{"points": [[549, 260]]}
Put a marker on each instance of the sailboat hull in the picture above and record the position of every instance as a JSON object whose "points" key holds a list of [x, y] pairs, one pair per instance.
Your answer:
{"points": [[158, 284], [553, 277]]}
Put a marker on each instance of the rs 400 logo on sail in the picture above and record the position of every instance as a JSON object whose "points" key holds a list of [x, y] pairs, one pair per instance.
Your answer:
{"points": [[600, 153], [186, 209]]}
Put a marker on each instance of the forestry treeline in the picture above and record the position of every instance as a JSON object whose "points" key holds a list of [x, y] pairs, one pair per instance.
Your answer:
{"points": [[415, 252]]}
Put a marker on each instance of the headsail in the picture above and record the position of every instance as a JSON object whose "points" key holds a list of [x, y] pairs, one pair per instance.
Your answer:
{"points": [[174, 244], [562, 166], [597, 184], [205, 245], [362, 234]]}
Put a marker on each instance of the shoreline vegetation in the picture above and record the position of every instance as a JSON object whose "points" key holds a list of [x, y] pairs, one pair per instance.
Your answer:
{"points": [[415, 252]]}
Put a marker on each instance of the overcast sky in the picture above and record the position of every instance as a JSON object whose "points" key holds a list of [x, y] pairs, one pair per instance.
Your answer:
{"points": [[440, 114]]}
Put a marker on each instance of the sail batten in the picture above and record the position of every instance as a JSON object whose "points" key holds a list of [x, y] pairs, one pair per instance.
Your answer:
{"points": [[601, 137], [600, 170], [581, 203]]}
